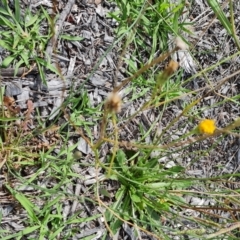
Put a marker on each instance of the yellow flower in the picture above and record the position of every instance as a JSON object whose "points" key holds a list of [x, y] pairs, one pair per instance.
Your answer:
{"points": [[207, 126]]}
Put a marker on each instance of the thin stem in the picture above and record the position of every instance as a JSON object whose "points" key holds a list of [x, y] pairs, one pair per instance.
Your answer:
{"points": [[224, 230], [233, 24], [115, 146], [143, 69]]}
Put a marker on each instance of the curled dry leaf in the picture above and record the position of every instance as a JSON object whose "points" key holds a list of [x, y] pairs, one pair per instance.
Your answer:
{"points": [[30, 109], [10, 104], [30, 106], [8, 101]]}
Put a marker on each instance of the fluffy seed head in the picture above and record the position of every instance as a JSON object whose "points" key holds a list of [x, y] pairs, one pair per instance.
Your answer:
{"points": [[114, 102], [171, 68]]}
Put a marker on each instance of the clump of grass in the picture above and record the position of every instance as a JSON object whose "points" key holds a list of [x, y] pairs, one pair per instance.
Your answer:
{"points": [[20, 35], [146, 27]]}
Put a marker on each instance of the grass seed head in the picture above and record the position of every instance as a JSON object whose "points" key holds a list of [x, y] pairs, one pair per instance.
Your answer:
{"points": [[171, 68], [207, 126], [114, 102]]}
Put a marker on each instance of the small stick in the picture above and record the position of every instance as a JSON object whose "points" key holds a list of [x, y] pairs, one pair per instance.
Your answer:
{"points": [[9, 72]]}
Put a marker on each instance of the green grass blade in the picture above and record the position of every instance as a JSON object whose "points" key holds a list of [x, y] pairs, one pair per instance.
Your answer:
{"points": [[17, 10], [27, 205], [229, 26], [6, 22], [81, 220], [32, 20], [21, 233], [7, 61], [220, 15], [3, 44]]}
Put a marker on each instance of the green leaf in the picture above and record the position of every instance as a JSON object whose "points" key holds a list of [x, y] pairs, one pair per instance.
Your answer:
{"points": [[18, 64], [104, 192], [7, 22], [6, 62], [47, 65], [3, 11], [135, 198], [121, 157], [81, 220], [8, 119], [115, 225], [220, 15], [6, 6], [16, 40], [7, 35], [51, 203], [17, 10], [163, 7], [41, 71], [5, 45], [154, 40], [176, 169], [71, 38], [25, 57], [54, 235], [117, 204], [50, 19], [29, 207], [170, 184], [21, 233], [2, 91], [31, 20]]}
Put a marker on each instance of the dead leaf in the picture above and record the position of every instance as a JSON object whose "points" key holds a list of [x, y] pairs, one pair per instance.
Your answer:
{"points": [[30, 109], [9, 103], [30, 106]]}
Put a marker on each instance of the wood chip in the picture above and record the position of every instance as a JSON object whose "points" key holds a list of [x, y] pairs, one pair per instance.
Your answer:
{"points": [[83, 146], [57, 104], [13, 88], [71, 66], [100, 11], [97, 80]]}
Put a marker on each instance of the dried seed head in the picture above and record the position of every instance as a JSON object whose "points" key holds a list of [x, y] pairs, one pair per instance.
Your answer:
{"points": [[180, 44], [171, 68], [114, 102]]}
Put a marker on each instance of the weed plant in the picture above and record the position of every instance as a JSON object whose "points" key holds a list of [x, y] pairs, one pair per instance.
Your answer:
{"points": [[150, 171], [21, 36]]}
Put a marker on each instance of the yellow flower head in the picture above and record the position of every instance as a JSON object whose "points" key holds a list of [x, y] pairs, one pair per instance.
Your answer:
{"points": [[207, 126]]}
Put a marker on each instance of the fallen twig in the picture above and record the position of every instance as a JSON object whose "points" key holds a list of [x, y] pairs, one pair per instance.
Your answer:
{"points": [[22, 71]]}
